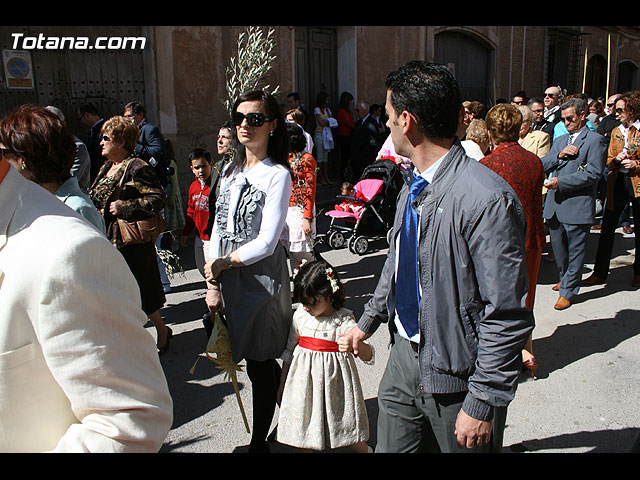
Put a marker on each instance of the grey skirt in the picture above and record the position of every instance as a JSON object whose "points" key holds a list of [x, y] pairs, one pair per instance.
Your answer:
{"points": [[257, 307]]}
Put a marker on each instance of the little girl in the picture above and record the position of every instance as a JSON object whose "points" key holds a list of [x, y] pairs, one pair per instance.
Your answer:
{"points": [[322, 404]]}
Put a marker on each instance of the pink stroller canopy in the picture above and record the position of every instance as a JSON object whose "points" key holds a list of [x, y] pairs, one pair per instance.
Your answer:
{"points": [[369, 188]]}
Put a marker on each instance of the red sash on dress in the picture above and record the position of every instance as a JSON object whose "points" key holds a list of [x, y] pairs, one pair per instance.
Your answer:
{"points": [[317, 344]]}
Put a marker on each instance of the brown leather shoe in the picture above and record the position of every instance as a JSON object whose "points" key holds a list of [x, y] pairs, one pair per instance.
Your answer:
{"points": [[556, 287], [627, 229], [636, 281], [593, 280], [596, 227], [562, 304]]}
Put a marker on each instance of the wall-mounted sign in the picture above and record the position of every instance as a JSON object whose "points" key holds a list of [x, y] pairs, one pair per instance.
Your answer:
{"points": [[18, 70]]}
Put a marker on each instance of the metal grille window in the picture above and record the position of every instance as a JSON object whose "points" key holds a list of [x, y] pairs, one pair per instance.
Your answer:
{"points": [[564, 58]]}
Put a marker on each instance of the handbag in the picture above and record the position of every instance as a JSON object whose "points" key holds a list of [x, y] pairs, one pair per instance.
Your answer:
{"points": [[140, 231]]}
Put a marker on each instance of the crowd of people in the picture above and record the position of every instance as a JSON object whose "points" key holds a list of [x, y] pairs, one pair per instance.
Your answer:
{"points": [[456, 291]]}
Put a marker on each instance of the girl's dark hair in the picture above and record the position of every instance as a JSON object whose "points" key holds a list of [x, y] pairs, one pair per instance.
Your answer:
{"points": [[312, 281], [278, 146], [321, 99], [297, 140], [38, 136]]}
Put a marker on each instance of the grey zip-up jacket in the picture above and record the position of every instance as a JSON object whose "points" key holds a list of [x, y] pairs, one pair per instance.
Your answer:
{"points": [[473, 274]]}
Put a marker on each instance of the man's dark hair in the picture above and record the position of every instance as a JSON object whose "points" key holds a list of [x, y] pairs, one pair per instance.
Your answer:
{"points": [[136, 107], [295, 95], [88, 108], [430, 92]]}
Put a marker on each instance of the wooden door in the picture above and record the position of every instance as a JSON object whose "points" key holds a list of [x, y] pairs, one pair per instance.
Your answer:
{"points": [[315, 65], [68, 77], [469, 61]]}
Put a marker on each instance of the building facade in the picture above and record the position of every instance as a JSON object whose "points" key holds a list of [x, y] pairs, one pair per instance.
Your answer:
{"points": [[178, 72]]}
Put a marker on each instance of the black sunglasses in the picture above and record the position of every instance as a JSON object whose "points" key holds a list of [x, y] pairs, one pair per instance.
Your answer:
{"points": [[549, 95], [253, 119]]}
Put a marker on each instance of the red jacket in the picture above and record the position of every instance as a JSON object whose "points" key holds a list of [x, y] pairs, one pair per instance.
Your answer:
{"points": [[346, 126], [197, 210], [522, 170]]}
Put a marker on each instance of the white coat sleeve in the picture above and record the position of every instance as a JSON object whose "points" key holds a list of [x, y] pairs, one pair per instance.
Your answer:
{"points": [[91, 328]]}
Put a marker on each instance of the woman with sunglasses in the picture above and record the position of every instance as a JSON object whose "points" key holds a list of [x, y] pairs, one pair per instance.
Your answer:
{"points": [[128, 188], [623, 186], [247, 274]]}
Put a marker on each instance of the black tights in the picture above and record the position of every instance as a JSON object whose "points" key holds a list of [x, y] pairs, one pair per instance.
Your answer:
{"points": [[265, 380]]}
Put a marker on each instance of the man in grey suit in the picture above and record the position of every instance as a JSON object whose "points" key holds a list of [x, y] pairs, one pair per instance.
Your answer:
{"points": [[576, 161]]}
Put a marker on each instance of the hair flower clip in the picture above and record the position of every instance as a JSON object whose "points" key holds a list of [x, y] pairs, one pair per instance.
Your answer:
{"points": [[332, 280], [297, 269]]}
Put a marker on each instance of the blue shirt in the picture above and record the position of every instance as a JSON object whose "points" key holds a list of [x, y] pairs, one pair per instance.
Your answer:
{"points": [[70, 194], [428, 176]]}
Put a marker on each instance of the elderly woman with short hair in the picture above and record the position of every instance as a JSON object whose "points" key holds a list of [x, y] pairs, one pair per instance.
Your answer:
{"points": [[535, 141], [128, 188], [524, 172]]}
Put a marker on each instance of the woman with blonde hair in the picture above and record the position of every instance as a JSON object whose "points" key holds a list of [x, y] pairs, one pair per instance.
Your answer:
{"points": [[128, 188], [476, 143]]}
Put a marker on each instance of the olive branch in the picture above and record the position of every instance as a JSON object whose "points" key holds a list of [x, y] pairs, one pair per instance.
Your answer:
{"points": [[251, 66]]}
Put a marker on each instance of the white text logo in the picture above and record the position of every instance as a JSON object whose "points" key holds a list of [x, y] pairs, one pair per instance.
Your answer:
{"points": [[21, 42]]}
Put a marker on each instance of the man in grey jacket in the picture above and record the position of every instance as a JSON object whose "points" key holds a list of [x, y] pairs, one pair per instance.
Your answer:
{"points": [[576, 161], [456, 313]]}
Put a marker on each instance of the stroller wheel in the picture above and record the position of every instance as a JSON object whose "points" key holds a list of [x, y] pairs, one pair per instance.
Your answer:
{"points": [[359, 245], [336, 240]]}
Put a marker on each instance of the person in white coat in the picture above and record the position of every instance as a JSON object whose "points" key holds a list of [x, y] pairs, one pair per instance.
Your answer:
{"points": [[78, 370]]}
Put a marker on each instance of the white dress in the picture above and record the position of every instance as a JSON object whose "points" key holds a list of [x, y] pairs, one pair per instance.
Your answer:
{"points": [[322, 404]]}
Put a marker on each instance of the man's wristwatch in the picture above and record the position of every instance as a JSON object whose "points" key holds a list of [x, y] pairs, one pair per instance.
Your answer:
{"points": [[227, 260]]}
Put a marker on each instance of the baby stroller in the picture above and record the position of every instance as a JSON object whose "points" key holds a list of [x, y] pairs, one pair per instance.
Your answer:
{"points": [[378, 188]]}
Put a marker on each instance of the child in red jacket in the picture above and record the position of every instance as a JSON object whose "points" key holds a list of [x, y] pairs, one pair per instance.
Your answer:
{"points": [[198, 205]]}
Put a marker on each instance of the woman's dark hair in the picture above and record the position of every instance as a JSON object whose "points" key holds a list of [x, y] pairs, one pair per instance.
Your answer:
{"points": [[278, 146], [345, 99], [321, 99], [313, 281], [430, 92], [38, 136], [297, 140], [199, 153]]}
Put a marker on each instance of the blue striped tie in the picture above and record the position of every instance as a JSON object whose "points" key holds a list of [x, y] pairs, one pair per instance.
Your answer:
{"points": [[407, 279]]}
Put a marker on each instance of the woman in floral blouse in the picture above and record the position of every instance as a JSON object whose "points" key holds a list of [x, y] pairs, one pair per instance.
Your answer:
{"points": [[128, 187], [301, 214]]}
